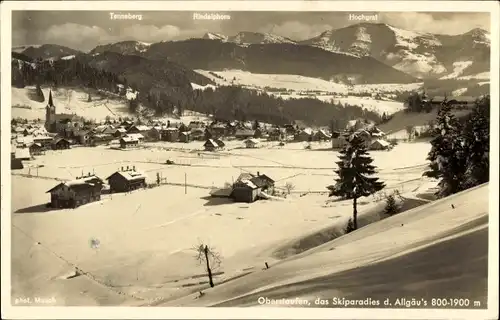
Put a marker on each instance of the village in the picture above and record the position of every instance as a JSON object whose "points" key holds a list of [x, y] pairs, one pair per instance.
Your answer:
{"points": [[65, 131], [158, 187]]}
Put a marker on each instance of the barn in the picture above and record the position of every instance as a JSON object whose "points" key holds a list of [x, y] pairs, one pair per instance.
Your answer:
{"points": [[126, 179]]}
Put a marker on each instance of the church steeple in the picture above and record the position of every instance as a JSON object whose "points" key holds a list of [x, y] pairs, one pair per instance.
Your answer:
{"points": [[51, 103]]}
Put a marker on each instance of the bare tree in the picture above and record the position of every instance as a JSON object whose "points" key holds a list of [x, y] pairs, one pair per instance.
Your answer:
{"points": [[289, 187], [210, 258]]}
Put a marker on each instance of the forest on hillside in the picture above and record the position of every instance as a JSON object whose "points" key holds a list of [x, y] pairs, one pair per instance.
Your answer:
{"points": [[168, 90]]}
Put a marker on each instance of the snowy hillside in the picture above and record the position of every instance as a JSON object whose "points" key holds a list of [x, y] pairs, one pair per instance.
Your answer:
{"points": [[411, 258], [67, 101], [296, 87]]}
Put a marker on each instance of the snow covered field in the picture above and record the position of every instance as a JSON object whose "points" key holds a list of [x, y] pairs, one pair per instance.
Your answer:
{"points": [[146, 237]]}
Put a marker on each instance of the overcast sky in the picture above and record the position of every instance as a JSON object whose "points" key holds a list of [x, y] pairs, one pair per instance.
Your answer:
{"points": [[84, 30]]}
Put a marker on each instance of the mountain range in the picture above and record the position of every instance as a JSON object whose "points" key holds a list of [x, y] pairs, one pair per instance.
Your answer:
{"points": [[360, 53]]}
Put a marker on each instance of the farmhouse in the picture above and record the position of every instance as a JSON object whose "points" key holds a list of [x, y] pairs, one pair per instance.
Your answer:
{"points": [[249, 187], [22, 154], [213, 144], [244, 133], [304, 135], [380, 145], [128, 142], [185, 137], [60, 144], [252, 143], [322, 135], [126, 179], [72, 194], [44, 141], [137, 136], [170, 134], [145, 131], [99, 139], [119, 132]]}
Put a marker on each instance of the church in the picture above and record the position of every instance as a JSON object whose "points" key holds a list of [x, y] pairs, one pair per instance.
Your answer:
{"points": [[62, 123]]}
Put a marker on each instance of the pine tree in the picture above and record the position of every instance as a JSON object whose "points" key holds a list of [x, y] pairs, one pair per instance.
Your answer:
{"points": [[354, 171], [448, 153], [476, 133]]}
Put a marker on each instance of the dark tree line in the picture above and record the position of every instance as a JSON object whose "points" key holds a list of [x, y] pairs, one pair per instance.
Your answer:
{"points": [[235, 103], [459, 157]]}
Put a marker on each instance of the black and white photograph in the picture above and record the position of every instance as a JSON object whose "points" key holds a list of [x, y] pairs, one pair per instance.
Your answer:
{"points": [[259, 154]]}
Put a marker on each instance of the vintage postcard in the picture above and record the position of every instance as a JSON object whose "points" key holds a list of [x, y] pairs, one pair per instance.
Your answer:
{"points": [[313, 159]]}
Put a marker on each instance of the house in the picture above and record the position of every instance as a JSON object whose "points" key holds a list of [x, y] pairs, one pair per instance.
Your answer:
{"points": [[126, 179], [321, 135], [139, 137], [249, 187], [264, 183], [304, 135], [276, 134], [185, 137], [244, 191], [128, 142], [244, 134], [340, 141], [119, 132], [71, 194], [100, 139], [60, 144], [355, 125], [380, 145], [155, 133], [127, 124], [212, 145], [196, 125], [365, 136], [36, 149], [252, 143], [376, 132], [198, 134], [22, 154], [44, 141], [83, 137], [145, 131], [170, 134], [218, 129]]}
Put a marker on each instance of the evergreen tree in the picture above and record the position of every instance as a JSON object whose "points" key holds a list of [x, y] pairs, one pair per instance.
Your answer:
{"points": [[354, 171], [448, 153], [39, 94], [476, 133]]}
